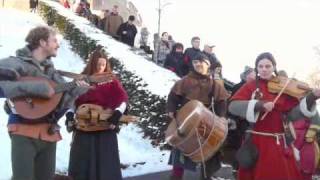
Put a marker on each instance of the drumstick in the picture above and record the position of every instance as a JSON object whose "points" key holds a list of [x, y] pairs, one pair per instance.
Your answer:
{"points": [[278, 96]]}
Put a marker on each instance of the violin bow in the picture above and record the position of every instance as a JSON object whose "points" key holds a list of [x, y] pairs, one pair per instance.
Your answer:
{"points": [[278, 96]]}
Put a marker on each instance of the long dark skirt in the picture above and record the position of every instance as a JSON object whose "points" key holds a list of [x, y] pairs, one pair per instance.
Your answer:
{"points": [[95, 156]]}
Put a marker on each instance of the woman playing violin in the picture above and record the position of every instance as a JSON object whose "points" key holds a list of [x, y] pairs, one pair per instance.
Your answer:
{"points": [[277, 157]]}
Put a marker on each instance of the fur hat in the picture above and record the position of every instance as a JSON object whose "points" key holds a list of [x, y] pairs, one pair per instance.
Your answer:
{"points": [[201, 57], [244, 74]]}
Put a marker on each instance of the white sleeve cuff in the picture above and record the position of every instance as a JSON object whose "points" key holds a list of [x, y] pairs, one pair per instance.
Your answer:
{"points": [[304, 109], [122, 107], [251, 116]]}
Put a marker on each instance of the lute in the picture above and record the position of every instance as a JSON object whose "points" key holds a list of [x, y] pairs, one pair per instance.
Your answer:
{"points": [[34, 109]]}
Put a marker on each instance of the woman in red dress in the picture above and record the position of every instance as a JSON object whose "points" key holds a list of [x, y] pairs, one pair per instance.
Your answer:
{"points": [[95, 155], [276, 159]]}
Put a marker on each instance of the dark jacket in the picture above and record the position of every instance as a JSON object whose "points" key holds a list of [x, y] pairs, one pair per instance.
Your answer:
{"points": [[189, 55], [213, 60], [33, 4], [127, 32], [174, 60]]}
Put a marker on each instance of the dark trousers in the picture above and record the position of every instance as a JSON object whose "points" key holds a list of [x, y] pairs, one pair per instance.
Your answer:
{"points": [[181, 162], [212, 165], [32, 159]]}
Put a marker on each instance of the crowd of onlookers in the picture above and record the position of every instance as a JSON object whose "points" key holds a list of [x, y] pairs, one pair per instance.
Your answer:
{"points": [[165, 52]]}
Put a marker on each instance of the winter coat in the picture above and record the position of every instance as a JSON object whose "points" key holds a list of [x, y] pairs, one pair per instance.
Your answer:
{"points": [[24, 65], [144, 36], [173, 62], [112, 24], [162, 49], [33, 4], [213, 60], [189, 54], [102, 24], [127, 32]]}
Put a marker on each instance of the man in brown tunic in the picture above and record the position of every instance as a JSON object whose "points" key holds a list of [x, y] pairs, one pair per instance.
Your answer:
{"points": [[197, 85]]}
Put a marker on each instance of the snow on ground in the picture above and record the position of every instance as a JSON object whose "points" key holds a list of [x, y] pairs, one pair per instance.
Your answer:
{"points": [[160, 82], [133, 148]]}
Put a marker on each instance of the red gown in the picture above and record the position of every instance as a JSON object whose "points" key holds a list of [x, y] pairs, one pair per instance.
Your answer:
{"points": [[275, 162], [108, 95], [95, 155]]}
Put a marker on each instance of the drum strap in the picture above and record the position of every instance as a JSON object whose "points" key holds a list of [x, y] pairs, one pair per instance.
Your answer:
{"points": [[202, 156], [211, 95]]}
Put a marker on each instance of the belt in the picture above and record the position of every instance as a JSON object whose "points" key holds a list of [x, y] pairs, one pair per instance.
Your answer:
{"points": [[277, 136]]}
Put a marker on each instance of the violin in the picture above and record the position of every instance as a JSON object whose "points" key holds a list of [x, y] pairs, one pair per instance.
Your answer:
{"points": [[294, 88]]}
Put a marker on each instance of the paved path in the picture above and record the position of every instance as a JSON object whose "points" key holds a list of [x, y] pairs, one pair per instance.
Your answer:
{"points": [[223, 173]]}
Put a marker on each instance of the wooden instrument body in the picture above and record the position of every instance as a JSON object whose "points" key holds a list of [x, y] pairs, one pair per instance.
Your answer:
{"points": [[91, 117], [34, 109], [294, 88], [203, 132]]}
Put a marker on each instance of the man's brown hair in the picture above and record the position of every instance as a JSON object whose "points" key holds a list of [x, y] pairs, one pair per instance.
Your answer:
{"points": [[36, 34]]}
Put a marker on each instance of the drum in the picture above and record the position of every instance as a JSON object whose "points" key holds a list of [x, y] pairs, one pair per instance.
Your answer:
{"points": [[201, 132]]}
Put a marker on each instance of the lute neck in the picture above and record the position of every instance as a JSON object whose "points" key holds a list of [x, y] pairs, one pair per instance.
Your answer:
{"points": [[89, 79], [64, 87]]}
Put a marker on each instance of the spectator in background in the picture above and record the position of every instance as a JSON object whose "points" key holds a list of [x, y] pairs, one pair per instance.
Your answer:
{"points": [[247, 75], [127, 31], [113, 22], [66, 4], [171, 41], [162, 49], [173, 59], [33, 4], [282, 73], [86, 12], [208, 51], [156, 39], [78, 8], [103, 20], [237, 125], [189, 54], [144, 36]]}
